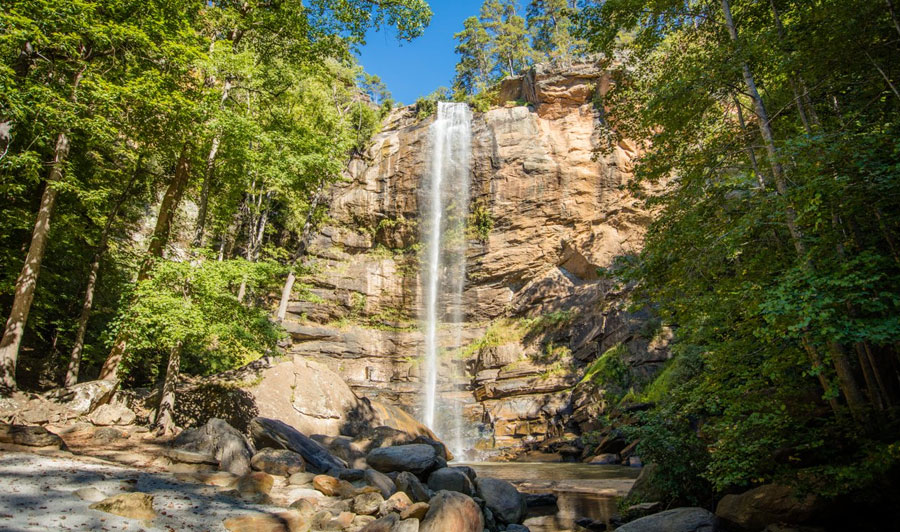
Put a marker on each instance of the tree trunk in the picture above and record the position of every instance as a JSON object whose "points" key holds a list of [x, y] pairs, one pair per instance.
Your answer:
{"points": [[842, 366], [208, 175], [165, 414], [893, 13], [301, 250], [25, 284], [750, 153], [158, 242]]}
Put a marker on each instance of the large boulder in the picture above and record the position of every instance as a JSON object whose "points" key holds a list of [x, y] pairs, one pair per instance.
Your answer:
{"points": [[110, 414], [280, 462], [417, 458], [221, 441], [83, 398], [770, 503], [133, 505], [451, 479], [502, 498], [449, 510], [279, 435], [410, 485], [31, 436], [675, 520]]}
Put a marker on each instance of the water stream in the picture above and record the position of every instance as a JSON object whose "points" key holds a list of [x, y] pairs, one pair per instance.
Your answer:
{"points": [[444, 200]]}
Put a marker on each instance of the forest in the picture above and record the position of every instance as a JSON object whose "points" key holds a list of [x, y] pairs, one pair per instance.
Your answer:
{"points": [[771, 133]]}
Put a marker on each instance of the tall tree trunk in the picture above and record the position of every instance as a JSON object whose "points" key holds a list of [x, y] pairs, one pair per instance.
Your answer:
{"points": [[88, 302], [25, 284], [750, 153], [158, 242], [165, 413], [842, 366], [208, 175]]}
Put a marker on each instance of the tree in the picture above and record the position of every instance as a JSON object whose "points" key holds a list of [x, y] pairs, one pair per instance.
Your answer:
{"points": [[475, 48], [552, 26], [508, 34]]}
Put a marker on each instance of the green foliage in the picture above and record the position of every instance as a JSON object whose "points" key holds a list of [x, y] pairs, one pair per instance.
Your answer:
{"points": [[427, 105], [480, 222], [609, 370], [775, 259], [552, 26], [195, 304]]}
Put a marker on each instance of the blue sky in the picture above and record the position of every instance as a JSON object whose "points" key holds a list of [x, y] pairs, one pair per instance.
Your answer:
{"points": [[416, 68]]}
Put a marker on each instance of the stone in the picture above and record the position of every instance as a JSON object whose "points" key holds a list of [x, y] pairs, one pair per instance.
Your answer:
{"points": [[278, 462], [645, 488], [304, 507], [538, 500], [84, 397], [766, 504], [279, 435], [385, 485], [407, 525], [30, 436], [675, 520], [451, 479], [190, 457], [644, 508], [286, 521], [417, 458], [503, 499], [395, 503], [345, 519], [134, 505], [410, 484], [517, 528], [604, 459], [367, 503], [450, 510], [325, 521], [635, 461], [384, 524], [90, 494], [109, 434], [110, 414], [327, 485], [301, 479], [220, 440], [360, 521], [416, 510], [255, 483]]}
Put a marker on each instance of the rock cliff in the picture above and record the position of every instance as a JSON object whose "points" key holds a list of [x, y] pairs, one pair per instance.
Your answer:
{"points": [[547, 339]]}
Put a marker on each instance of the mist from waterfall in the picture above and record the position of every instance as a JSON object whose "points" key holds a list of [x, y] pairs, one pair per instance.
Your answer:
{"points": [[444, 201]]}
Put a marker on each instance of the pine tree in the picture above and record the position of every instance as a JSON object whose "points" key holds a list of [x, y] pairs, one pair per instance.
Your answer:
{"points": [[511, 47], [473, 71], [552, 26]]}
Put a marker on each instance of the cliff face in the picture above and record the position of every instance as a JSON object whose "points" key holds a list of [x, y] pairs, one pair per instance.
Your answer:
{"points": [[546, 213]]}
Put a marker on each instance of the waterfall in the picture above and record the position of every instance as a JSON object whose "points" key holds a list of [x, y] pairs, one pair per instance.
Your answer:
{"points": [[444, 202]]}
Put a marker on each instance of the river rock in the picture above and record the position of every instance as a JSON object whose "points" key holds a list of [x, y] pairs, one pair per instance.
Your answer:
{"points": [[135, 505], [407, 525], [410, 484], [110, 414], [29, 436], [286, 521], [503, 499], [326, 484], [450, 510], [84, 397], [279, 462], [416, 510], [90, 494], [675, 520], [417, 458], [397, 503], [766, 504], [451, 479], [367, 503], [385, 485], [384, 524], [279, 435], [220, 440], [604, 459], [255, 483]]}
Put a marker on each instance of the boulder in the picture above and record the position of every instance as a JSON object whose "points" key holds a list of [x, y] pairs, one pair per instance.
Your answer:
{"points": [[190, 457], [83, 398], [410, 484], [367, 503], [90, 494], [279, 435], [396, 503], [381, 481], [766, 504], [416, 510], [407, 525], [300, 479], [417, 458], [451, 479], [450, 510], [29, 436], [502, 498], [135, 505], [279, 462], [286, 521], [256, 483], [220, 440], [329, 486], [645, 488], [110, 414], [385, 524], [109, 434], [675, 520]]}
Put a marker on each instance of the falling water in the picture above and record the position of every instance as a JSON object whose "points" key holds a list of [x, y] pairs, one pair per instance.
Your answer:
{"points": [[445, 199]]}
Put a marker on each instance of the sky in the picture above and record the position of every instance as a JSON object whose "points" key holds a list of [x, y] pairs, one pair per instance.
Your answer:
{"points": [[413, 69]]}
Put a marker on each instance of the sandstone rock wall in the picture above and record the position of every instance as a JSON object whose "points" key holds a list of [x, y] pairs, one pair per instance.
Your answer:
{"points": [[547, 212]]}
